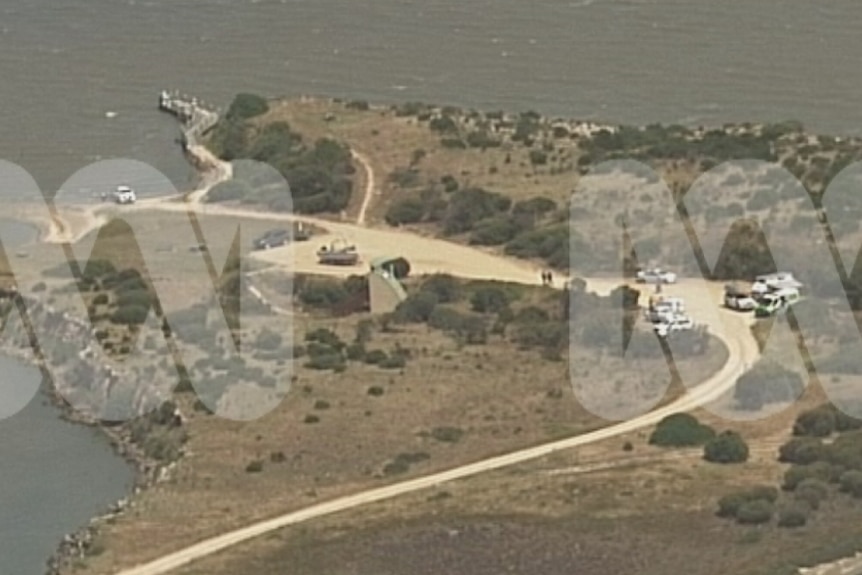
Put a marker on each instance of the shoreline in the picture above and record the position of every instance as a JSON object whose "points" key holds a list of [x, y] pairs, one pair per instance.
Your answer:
{"points": [[147, 471]]}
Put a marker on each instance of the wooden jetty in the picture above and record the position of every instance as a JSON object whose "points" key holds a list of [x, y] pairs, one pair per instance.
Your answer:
{"points": [[196, 118]]}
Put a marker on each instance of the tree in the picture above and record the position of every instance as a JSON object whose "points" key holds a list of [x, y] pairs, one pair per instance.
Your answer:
{"points": [[245, 106], [400, 268], [681, 430], [727, 447]]}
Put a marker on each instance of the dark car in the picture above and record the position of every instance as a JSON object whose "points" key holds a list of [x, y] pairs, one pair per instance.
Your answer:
{"points": [[271, 239]]}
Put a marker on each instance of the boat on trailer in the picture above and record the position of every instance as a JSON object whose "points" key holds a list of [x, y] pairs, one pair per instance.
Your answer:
{"points": [[338, 253]]}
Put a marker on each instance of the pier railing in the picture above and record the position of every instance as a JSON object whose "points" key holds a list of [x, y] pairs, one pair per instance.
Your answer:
{"points": [[195, 117]]}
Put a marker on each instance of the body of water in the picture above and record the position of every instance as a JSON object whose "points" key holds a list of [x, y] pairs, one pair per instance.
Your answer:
{"points": [[67, 66], [54, 476]]}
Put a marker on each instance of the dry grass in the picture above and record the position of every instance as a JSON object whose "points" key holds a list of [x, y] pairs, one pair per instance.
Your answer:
{"points": [[501, 399], [646, 518]]}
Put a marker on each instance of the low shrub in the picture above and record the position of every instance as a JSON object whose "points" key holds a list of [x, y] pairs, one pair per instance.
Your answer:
{"points": [[681, 430], [727, 447]]}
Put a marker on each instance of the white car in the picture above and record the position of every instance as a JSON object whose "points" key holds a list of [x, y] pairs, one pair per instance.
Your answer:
{"points": [[125, 195], [741, 302], [656, 276], [675, 323]]}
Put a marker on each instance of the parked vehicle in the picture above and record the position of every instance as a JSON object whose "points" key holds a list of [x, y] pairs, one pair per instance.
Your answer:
{"points": [[125, 195], [655, 276], [770, 282], [738, 298], [678, 322], [661, 308], [772, 303], [338, 253], [300, 232], [271, 239]]}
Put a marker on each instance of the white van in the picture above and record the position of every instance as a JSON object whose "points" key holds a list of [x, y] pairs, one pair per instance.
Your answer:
{"points": [[125, 195]]}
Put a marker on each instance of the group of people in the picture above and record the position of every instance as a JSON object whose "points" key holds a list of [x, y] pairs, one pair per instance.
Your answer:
{"points": [[547, 278]]}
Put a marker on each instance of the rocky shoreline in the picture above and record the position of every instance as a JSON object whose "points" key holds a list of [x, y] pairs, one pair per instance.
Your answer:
{"points": [[148, 471]]}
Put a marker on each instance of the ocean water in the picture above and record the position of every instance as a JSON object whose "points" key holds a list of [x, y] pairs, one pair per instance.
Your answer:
{"points": [[80, 80], [67, 64]]}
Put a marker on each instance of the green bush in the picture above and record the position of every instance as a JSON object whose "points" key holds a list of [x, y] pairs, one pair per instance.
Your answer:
{"points": [[727, 447], [375, 357], [416, 308], [255, 466], [811, 491], [538, 157], [326, 337], [792, 516], [245, 106], [820, 470], [403, 461], [549, 243], [443, 125], [802, 450], [469, 329], [450, 184], [490, 299], [326, 361], [534, 207], [407, 211], [321, 293], [130, 315], [729, 505], [817, 422], [447, 434], [681, 430], [471, 205], [445, 287], [754, 512], [393, 361], [767, 382], [495, 231], [851, 482], [356, 351]]}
